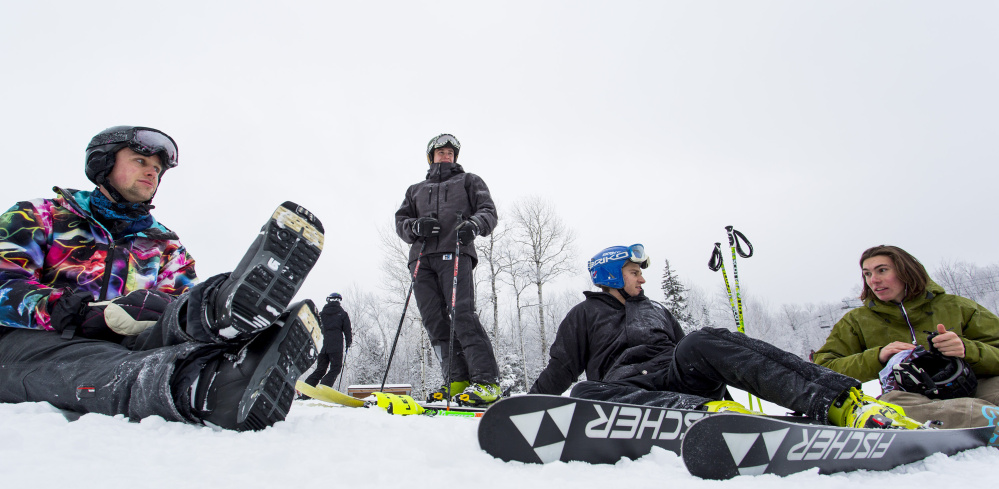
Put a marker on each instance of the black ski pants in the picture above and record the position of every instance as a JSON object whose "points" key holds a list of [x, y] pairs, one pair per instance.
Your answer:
{"points": [[472, 357], [145, 375], [330, 359], [707, 360]]}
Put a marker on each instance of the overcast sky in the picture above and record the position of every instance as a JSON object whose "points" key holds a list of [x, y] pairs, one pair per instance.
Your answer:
{"points": [[818, 129]]}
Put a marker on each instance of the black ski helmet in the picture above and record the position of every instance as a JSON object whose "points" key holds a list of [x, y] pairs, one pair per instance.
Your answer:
{"points": [[441, 141], [334, 297], [934, 375], [101, 151]]}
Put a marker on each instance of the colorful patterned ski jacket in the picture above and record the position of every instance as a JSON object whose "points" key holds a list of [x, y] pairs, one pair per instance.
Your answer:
{"points": [[856, 340], [51, 247]]}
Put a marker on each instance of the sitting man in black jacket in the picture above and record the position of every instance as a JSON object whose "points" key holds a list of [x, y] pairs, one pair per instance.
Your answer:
{"points": [[633, 351]]}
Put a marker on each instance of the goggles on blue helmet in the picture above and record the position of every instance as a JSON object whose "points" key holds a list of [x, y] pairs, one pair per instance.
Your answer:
{"points": [[605, 267], [142, 140]]}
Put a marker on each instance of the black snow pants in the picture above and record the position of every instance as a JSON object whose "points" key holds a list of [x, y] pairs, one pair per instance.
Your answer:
{"points": [[472, 357], [707, 360], [330, 358], [145, 375]]}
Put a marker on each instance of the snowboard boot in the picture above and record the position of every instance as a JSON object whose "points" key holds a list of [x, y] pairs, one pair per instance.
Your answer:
{"points": [[268, 276], [854, 409], [443, 394], [729, 406], [398, 404], [480, 394], [252, 386]]}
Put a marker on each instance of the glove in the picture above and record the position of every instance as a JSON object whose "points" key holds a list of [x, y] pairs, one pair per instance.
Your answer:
{"points": [[127, 315], [426, 227], [467, 231]]}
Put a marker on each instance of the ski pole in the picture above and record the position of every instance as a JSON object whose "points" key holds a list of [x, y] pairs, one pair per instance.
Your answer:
{"points": [[343, 365], [733, 243], [718, 263], [405, 306], [454, 295], [736, 246]]}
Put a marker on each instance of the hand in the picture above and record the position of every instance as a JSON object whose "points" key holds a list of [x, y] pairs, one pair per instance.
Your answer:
{"points": [[426, 227], [467, 231], [892, 348], [948, 342], [127, 315]]}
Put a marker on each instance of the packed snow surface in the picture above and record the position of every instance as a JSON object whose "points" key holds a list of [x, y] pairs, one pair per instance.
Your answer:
{"points": [[320, 446]]}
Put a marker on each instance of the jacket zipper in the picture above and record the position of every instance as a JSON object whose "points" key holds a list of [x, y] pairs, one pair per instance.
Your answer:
{"points": [[107, 270]]}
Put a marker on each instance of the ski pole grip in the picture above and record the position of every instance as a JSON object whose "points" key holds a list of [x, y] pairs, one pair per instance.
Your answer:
{"points": [[738, 245], [715, 263]]}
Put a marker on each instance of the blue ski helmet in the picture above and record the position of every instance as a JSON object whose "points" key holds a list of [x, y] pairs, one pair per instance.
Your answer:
{"points": [[334, 297], [440, 141], [605, 267]]}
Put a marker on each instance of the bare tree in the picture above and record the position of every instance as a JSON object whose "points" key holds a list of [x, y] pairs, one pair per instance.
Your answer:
{"points": [[548, 246], [488, 249], [513, 264]]}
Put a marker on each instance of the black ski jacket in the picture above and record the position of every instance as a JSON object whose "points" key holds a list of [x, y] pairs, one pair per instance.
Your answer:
{"points": [[609, 341], [446, 191], [335, 322]]}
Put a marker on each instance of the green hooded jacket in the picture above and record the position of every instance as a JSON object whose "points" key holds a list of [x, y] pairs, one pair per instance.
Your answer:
{"points": [[856, 340]]}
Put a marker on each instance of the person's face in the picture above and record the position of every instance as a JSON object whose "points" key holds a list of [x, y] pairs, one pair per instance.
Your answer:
{"points": [[633, 280], [444, 155], [135, 175], [879, 274]]}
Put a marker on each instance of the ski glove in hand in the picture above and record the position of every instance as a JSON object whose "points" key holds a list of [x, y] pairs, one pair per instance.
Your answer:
{"points": [[127, 315], [426, 227], [467, 231]]}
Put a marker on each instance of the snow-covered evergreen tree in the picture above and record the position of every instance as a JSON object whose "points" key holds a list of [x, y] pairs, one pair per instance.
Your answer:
{"points": [[675, 298]]}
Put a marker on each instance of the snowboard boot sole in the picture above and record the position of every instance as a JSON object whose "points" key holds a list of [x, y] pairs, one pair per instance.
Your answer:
{"points": [[254, 387], [270, 273]]}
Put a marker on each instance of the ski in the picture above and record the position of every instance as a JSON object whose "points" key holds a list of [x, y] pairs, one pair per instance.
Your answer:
{"points": [[729, 444], [329, 394], [543, 429]]}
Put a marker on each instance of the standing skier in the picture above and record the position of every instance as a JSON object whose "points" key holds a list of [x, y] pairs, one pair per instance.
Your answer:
{"points": [[633, 350], [101, 312], [444, 212], [336, 335]]}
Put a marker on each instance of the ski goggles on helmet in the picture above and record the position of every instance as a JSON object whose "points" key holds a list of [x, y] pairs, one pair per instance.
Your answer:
{"points": [[142, 140], [443, 140], [636, 253]]}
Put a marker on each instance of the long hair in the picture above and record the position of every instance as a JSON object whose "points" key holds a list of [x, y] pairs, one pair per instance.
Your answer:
{"points": [[907, 268]]}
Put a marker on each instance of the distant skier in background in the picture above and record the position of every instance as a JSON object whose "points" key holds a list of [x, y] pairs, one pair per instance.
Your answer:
{"points": [[633, 351], [447, 209], [336, 335], [944, 347]]}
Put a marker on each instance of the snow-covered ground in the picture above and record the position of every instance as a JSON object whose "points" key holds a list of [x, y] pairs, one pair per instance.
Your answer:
{"points": [[337, 447]]}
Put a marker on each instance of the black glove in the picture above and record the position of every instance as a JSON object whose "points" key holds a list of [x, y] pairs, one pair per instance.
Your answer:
{"points": [[467, 231], [426, 227], [127, 315]]}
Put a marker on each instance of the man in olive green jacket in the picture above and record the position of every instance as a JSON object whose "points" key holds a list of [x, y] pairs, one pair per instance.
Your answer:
{"points": [[866, 337]]}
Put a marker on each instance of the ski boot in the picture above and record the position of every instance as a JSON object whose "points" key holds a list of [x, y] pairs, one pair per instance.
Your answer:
{"points": [[480, 394], [729, 406], [854, 409], [268, 276], [443, 394], [396, 404], [251, 387]]}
